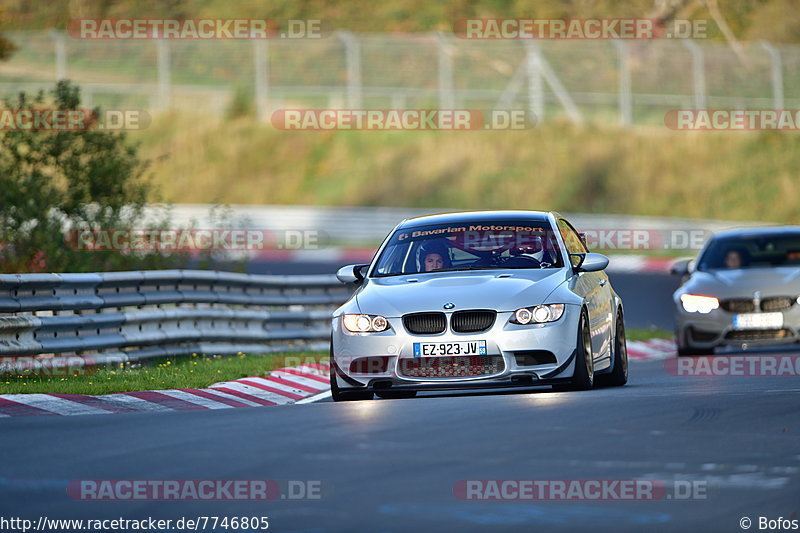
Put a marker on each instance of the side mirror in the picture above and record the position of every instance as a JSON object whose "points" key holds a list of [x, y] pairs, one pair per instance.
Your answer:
{"points": [[681, 267], [351, 274], [589, 262]]}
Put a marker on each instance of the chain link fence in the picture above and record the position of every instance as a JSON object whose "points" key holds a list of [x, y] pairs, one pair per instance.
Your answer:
{"points": [[627, 82]]}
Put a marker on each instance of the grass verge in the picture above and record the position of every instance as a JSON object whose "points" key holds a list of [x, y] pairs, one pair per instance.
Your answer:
{"points": [[180, 373], [642, 334]]}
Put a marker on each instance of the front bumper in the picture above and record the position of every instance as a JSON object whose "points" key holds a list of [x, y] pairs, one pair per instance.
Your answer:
{"points": [[717, 329], [505, 340]]}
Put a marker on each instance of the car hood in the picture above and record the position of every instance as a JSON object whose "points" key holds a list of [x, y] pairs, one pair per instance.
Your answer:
{"points": [[742, 283], [503, 291]]}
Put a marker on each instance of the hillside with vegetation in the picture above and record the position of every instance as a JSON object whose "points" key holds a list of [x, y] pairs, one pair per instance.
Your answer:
{"points": [[643, 170]]}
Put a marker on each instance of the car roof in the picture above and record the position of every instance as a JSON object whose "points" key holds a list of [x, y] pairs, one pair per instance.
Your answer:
{"points": [[761, 231], [466, 217]]}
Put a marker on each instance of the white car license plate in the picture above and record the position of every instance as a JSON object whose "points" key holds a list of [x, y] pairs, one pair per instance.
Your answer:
{"points": [[436, 349], [758, 321]]}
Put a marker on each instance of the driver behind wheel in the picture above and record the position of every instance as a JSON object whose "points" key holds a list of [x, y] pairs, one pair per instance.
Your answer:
{"points": [[530, 250], [434, 256]]}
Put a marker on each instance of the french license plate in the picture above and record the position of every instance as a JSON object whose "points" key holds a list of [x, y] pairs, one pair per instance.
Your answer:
{"points": [[435, 349], [758, 321]]}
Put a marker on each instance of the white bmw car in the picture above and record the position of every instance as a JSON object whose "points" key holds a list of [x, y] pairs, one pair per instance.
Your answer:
{"points": [[744, 289], [478, 300]]}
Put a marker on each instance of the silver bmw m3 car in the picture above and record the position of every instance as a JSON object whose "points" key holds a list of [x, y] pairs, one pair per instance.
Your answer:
{"points": [[478, 300], [743, 289]]}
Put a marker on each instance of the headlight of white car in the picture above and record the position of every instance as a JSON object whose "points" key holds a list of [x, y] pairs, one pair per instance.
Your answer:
{"points": [[694, 303], [365, 323], [538, 314]]}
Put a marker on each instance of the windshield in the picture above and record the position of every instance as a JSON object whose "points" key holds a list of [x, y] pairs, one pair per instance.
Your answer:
{"points": [[752, 252], [478, 245]]}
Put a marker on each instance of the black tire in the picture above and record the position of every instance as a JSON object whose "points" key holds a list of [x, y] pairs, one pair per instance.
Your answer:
{"points": [[396, 394], [583, 377], [687, 350], [619, 372], [339, 395]]}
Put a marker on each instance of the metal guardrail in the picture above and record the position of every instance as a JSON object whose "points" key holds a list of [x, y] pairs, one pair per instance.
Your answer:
{"points": [[72, 320]]}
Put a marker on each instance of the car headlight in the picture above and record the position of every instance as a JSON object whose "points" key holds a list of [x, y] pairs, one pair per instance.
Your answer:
{"points": [[694, 303], [538, 315], [365, 323]]}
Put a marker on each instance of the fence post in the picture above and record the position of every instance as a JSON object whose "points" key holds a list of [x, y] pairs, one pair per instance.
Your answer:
{"points": [[539, 71], [625, 97], [60, 45], [535, 81], [446, 83], [88, 96], [353, 61], [163, 74], [777, 74], [698, 73], [261, 60]]}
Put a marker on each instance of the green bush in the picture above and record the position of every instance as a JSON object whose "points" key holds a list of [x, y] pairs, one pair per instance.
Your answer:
{"points": [[56, 180]]}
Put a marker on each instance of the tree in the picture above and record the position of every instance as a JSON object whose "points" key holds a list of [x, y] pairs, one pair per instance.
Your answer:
{"points": [[7, 48], [56, 179]]}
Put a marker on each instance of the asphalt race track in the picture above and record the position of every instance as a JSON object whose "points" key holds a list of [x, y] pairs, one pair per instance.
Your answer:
{"points": [[720, 449], [391, 465]]}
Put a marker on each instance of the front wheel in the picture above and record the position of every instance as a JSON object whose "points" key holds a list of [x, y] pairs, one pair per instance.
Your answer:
{"points": [[583, 377], [619, 373], [339, 395], [686, 349]]}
